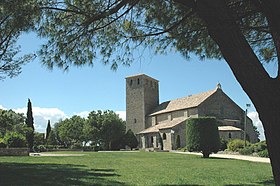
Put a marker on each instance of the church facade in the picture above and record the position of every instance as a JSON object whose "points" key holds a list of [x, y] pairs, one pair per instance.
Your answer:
{"points": [[160, 125]]}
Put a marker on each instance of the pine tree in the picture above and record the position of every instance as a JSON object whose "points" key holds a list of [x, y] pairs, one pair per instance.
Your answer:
{"points": [[48, 130], [29, 122]]}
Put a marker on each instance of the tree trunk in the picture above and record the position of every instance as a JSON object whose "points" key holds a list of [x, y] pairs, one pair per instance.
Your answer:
{"points": [[205, 154], [263, 90]]}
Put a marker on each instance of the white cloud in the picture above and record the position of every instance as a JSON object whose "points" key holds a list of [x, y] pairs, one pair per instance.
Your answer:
{"points": [[122, 114], [257, 122], [1, 107], [42, 115]]}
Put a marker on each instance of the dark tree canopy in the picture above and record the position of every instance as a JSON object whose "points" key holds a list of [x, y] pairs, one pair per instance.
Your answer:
{"points": [[113, 29], [48, 129], [30, 124], [16, 17]]}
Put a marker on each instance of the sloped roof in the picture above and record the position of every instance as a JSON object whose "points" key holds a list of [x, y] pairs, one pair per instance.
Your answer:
{"points": [[182, 103], [228, 128], [163, 125]]}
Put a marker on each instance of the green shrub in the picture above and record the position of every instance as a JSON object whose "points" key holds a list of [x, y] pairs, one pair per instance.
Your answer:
{"points": [[42, 148], [76, 146], [13, 139], [223, 144], [260, 146], [246, 151], [130, 139], [2, 143], [263, 153], [235, 145], [202, 135], [87, 148]]}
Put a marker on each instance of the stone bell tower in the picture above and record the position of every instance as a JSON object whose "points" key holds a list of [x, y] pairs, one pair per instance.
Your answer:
{"points": [[142, 97]]}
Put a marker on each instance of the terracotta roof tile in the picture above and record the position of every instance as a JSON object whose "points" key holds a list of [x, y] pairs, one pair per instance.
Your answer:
{"points": [[163, 125], [182, 103]]}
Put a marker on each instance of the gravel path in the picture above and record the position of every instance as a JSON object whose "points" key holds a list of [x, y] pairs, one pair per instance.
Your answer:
{"points": [[230, 156], [48, 154]]}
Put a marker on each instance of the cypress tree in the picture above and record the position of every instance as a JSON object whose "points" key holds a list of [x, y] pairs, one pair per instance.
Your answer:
{"points": [[30, 123], [203, 135], [48, 130]]}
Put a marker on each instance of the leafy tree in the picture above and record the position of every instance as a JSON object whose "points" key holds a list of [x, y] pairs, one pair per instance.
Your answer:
{"points": [[203, 135], [104, 129], [48, 129], [130, 139], [39, 139], [52, 138], [29, 123], [16, 17], [70, 131], [9, 121], [112, 130], [13, 139]]}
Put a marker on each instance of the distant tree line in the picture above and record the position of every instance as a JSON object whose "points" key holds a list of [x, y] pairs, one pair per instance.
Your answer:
{"points": [[101, 130]]}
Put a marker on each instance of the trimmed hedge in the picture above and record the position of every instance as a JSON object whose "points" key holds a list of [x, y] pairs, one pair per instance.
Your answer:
{"points": [[202, 135]]}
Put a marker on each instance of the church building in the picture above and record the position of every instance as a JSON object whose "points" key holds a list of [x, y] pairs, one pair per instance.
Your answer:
{"points": [[159, 125]]}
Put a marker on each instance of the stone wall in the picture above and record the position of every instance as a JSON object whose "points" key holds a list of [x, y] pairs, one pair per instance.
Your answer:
{"points": [[227, 135], [14, 152]]}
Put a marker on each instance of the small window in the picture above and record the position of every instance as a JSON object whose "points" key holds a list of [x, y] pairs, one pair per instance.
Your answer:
{"points": [[164, 136], [131, 81], [135, 120], [152, 139], [229, 135], [138, 81]]}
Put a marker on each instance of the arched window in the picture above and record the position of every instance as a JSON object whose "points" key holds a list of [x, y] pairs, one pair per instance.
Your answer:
{"points": [[135, 120], [229, 135], [164, 136]]}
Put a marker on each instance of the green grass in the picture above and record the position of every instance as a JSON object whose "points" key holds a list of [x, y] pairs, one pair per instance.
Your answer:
{"points": [[132, 168]]}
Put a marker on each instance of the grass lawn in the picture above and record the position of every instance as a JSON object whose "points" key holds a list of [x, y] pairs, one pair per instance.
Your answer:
{"points": [[132, 168]]}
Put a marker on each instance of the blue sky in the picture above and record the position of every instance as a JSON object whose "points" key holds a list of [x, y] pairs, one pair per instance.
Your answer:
{"points": [[56, 94]]}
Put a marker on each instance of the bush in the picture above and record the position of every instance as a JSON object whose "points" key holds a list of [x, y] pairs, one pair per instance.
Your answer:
{"points": [[263, 153], [260, 146], [223, 144], [235, 145], [42, 148], [130, 139], [246, 151], [13, 139], [2, 143], [76, 146], [87, 148], [202, 135]]}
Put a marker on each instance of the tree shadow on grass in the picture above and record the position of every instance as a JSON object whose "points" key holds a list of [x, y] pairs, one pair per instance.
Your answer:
{"points": [[265, 182], [54, 174]]}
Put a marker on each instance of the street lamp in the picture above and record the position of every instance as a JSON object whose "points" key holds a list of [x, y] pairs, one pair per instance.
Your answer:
{"points": [[245, 122]]}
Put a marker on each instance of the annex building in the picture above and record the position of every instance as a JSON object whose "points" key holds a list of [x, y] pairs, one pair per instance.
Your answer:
{"points": [[158, 125]]}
